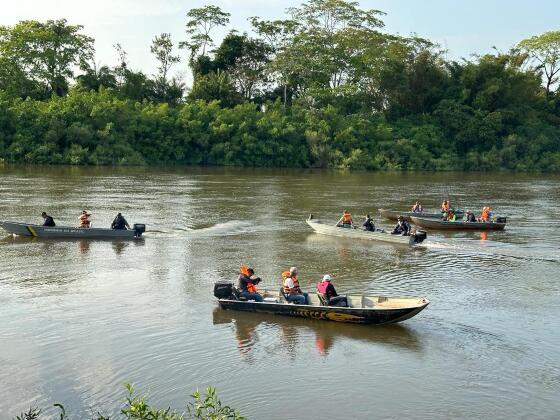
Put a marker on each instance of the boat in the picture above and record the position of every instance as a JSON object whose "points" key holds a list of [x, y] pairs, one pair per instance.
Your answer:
{"points": [[25, 229], [394, 214], [360, 233], [498, 224], [362, 309]]}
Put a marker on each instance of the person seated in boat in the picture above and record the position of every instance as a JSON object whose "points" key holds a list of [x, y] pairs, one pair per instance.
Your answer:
{"points": [[417, 208], [326, 288], [368, 224], [402, 227], [445, 206], [485, 217], [291, 289], [450, 216], [85, 219], [120, 223], [470, 217], [346, 220], [247, 284], [48, 220]]}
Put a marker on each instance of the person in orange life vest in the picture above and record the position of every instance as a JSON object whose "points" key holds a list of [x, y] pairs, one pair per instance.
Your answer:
{"points": [[445, 206], [291, 288], [85, 219], [346, 220], [247, 285], [485, 214], [325, 287]]}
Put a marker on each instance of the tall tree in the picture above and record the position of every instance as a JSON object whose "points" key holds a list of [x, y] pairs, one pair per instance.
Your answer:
{"points": [[162, 49], [47, 52], [544, 51]]}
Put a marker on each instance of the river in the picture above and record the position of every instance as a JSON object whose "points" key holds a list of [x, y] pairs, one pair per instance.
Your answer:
{"points": [[79, 319]]}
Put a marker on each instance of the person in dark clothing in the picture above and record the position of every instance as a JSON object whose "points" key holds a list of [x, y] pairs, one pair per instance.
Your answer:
{"points": [[327, 289], [470, 217], [48, 220], [120, 223], [402, 227], [246, 285], [368, 224]]}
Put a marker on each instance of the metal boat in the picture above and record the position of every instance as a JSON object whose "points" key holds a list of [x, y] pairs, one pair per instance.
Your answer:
{"points": [[25, 229], [394, 214], [362, 309], [358, 233], [499, 224]]}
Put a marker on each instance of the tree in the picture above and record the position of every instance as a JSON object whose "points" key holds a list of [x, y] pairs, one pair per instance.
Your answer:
{"points": [[201, 22], [162, 48], [94, 78], [120, 69], [215, 86], [47, 52], [544, 51]]}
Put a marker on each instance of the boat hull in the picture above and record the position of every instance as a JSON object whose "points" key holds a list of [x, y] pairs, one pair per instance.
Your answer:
{"points": [[24, 229], [326, 229], [457, 225], [394, 214], [326, 313]]}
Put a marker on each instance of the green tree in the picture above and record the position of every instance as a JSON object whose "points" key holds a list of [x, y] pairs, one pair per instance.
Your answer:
{"points": [[544, 52], [162, 49], [201, 21]]}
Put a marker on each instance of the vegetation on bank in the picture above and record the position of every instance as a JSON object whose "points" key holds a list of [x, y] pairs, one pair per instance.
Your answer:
{"points": [[205, 406], [323, 87]]}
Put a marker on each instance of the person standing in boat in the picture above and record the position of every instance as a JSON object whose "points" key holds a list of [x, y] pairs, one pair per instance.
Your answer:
{"points": [[417, 207], [368, 224], [346, 220], [48, 220], [120, 223], [291, 288], [85, 219], [326, 288], [402, 227], [247, 284]]}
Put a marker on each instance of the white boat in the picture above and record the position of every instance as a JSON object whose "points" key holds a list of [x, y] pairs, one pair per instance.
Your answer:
{"points": [[358, 233]]}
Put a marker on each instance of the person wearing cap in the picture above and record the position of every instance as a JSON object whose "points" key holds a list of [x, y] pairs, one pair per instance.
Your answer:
{"points": [[120, 223], [326, 288], [402, 227], [291, 289], [48, 220], [368, 224], [470, 216], [85, 219], [246, 285]]}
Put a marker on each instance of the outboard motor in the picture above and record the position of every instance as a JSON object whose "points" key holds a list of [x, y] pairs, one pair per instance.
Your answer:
{"points": [[139, 229], [419, 236], [224, 290]]}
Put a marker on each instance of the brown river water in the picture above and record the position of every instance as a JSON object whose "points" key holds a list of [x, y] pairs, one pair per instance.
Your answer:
{"points": [[79, 319]]}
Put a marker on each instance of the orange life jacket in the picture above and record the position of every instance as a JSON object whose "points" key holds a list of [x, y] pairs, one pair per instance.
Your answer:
{"points": [[485, 214], [346, 218], [251, 288], [84, 220], [445, 206], [286, 289]]}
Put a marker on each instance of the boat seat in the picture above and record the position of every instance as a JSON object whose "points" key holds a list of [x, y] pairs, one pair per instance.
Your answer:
{"points": [[323, 299], [283, 295], [237, 294]]}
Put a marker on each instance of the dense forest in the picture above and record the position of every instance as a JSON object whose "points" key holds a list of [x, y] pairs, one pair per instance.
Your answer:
{"points": [[325, 86]]}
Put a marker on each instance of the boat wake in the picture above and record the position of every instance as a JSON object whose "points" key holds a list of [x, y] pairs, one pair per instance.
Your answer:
{"points": [[231, 227]]}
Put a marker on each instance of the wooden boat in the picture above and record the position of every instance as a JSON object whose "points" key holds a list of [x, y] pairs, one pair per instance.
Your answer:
{"points": [[375, 310], [328, 229], [394, 214], [25, 229], [499, 224]]}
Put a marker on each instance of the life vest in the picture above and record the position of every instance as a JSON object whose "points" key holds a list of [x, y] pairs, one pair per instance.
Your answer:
{"points": [[251, 288], [322, 287], [84, 220], [285, 276], [445, 206], [346, 218], [485, 214]]}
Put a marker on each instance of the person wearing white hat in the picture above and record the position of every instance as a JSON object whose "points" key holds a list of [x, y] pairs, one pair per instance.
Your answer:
{"points": [[291, 288], [326, 288]]}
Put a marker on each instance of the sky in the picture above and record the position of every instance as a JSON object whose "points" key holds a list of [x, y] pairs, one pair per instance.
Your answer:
{"points": [[461, 27]]}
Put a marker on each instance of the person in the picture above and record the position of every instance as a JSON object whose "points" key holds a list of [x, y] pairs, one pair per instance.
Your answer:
{"points": [[485, 217], [450, 216], [247, 284], [48, 220], [445, 206], [470, 216], [402, 227], [346, 220], [85, 219], [120, 223], [326, 288], [291, 288], [417, 208], [368, 224]]}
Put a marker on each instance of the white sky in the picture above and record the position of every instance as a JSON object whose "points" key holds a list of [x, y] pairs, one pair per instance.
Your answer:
{"points": [[462, 26]]}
